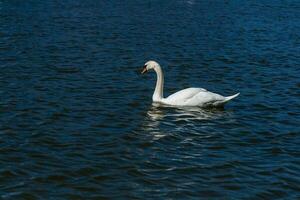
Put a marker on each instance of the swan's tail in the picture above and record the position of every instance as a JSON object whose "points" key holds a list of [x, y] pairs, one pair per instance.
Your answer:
{"points": [[224, 101], [230, 97]]}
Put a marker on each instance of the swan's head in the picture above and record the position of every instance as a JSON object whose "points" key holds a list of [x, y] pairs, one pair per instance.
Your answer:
{"points": [[149, 65]]}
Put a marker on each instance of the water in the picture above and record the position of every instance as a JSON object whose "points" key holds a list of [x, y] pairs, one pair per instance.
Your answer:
{"points": [[76, 117]]}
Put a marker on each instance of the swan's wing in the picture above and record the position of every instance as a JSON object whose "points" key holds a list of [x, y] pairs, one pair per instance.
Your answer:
{"points": [[183, 95], [205, 99], [195, 97]]}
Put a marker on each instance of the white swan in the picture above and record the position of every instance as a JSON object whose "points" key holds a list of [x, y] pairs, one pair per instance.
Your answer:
{"points": [[187, 97]]}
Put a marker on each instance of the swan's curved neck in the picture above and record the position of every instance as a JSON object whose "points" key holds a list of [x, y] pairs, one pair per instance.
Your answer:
{"points": [[159, 88]]}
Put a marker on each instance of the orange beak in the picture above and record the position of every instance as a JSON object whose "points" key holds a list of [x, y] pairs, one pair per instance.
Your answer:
{"points": [[144, 70]]}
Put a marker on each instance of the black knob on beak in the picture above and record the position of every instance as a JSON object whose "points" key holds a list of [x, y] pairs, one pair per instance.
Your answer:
{"points": [[144, 70]]}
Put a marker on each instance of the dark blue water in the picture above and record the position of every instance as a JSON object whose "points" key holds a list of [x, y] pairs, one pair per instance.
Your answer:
{"points": [[76, 117]]}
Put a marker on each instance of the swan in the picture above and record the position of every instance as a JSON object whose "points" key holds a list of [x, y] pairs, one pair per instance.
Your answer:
{"points": [[187, 97]]}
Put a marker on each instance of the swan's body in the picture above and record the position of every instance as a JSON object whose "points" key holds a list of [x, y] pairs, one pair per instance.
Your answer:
{"points": [[186, 97]]}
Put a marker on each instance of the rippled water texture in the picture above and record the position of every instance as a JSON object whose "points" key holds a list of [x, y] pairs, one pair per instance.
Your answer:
{"points": [[76, 117]]}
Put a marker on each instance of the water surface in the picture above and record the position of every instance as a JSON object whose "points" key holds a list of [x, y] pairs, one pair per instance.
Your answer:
{"points": [[76, 117]]}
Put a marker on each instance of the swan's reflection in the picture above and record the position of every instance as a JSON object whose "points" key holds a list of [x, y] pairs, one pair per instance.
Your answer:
{"points": [[162, 120], [160, 111]]}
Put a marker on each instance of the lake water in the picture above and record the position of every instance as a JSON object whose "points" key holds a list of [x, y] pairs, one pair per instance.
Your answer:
{"points": [[77, 120]]}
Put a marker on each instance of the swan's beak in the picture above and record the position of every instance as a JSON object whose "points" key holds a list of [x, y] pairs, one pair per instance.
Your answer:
{"points": [[144, 70]]}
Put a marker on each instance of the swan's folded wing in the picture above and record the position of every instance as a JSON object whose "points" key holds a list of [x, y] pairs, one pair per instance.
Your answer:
{"points": [[183, 96], [205, 98]]}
